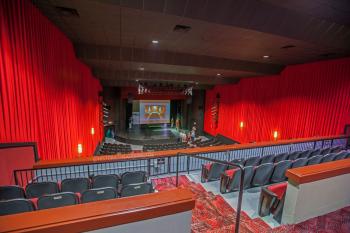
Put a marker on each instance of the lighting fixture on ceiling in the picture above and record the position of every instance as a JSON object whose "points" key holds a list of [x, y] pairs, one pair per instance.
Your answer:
{"points": [[197, 83], [266, 56], [142, 68], [218, 74], [155, 41], [137, 80]]}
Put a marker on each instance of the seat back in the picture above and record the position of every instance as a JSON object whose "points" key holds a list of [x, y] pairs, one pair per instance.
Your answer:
{"points": [[315, 152], [253, 161], [262, 174], [336, 149], [133, 177], [294, 155], [279, 171], [103, 181], [136, 189], [341, 155], [325, 151], [75, 185], [57, 200], [248, 175], [280, 157], [11, 192], [267, 159], [34, 190], [299, 163], [305, 154], [215, 171], [328, 158], [98, 194], [315, 160], [15, 206]]}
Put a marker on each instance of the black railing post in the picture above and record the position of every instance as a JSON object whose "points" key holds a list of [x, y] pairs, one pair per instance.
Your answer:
{"points": [[177, 169], [239, 204], [188, 165], [149, 167], [15, 176]]}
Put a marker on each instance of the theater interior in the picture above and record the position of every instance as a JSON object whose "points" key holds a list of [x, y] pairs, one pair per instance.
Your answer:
{"points": [[175, 116]]}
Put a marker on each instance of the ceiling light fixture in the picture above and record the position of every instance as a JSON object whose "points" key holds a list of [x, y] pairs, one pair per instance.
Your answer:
{"points": [[266, 56], [218, 74], [142, 68], [155, 41]]}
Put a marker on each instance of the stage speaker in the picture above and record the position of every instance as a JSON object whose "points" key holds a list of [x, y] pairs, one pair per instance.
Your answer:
{"points": [[130, 98]]}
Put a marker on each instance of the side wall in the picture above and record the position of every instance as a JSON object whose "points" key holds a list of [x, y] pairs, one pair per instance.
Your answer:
{"points": [[303, 101], [46, 94]]}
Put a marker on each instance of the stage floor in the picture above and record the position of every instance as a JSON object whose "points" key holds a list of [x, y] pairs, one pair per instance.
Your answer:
{"points": [[149, 134]]}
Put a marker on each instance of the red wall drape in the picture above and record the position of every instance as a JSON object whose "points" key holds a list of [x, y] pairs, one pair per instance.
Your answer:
{"points": [[46, 94], [303, 101]]}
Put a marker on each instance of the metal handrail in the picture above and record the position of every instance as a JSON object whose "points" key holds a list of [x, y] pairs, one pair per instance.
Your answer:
{"points": [[240, 194]]}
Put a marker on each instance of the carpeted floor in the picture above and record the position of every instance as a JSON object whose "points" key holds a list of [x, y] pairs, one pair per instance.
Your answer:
{"points": [[213, 214]]}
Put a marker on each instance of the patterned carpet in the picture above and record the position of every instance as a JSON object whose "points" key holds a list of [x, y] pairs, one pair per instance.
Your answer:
{"points": [[213, 214]]}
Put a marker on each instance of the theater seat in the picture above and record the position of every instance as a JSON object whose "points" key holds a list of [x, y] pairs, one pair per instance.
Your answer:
{"points": [[305, 154], [15, 206], [35, 190], [280, 157], [299, 162], [294, 155], [325, 151], [98, 194], [315, 160], [103, 181], [328, 158], [57, 200], [133, 177], [279, 171], [230, 180], [315, 152], [262, 174], [253, 161], [212, 171], [267, 159], [136, 189], [11, 192], [272, 200], [341, 155], [336, 149], [75, 185]]}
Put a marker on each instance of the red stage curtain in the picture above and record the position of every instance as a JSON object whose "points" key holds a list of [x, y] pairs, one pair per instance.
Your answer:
{"points": [[46, 94], [303, 101]]}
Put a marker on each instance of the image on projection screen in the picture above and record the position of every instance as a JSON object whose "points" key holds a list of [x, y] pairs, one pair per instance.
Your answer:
{"points": [[154, 111]]}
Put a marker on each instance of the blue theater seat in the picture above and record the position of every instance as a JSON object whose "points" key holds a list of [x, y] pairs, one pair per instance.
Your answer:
{"points": [[57, 200], [15, 206], [279, 171], [11, 192], [262, 174], [103, 181], [35, 190], [136, 189], [75, 185], [98, 194], [299, 162]]}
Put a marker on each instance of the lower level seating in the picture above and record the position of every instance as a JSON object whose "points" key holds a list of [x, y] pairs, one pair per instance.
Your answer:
{"points": [[98, 194], [57, 200], [15, 206]]}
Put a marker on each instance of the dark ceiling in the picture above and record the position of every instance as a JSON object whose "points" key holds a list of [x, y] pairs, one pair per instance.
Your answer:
{"points": [[227, 37]]}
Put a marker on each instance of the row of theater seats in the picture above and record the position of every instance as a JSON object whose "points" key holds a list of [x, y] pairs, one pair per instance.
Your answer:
{"points": [[111, 148], [210, 142], [45, 195], [261, 171], [160, 147]]}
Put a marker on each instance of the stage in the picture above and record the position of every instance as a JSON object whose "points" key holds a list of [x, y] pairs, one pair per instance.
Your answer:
{"points": [[149, 134]]}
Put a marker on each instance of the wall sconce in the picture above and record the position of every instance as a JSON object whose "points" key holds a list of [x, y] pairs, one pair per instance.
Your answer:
{"points": [[92, 131], [80, 148], [241, 125], [275, 135]]}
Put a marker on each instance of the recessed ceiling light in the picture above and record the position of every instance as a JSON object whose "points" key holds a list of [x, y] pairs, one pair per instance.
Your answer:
{"points": [[218, 74], [142, 68], [137, 80], [196, 83], [155, 41], [266, 56]]}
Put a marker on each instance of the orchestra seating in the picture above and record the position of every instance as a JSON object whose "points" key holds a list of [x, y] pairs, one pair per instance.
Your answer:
{"points": [[260, 171], [169, 146], [111, 148], [45, 195]]}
